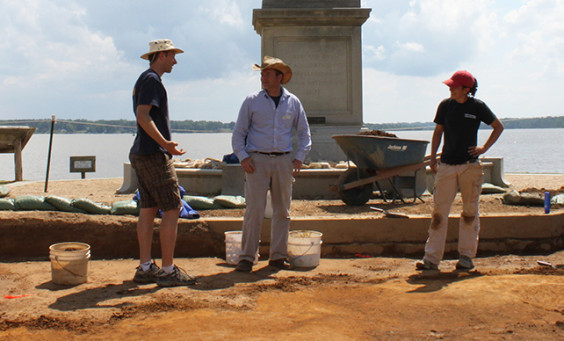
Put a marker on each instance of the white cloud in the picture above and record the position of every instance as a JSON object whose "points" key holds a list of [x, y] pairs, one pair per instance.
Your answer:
{"points": [[79, 59], [541, 34], [392, 98], [211, 99], [226, 12], [56, 61]]}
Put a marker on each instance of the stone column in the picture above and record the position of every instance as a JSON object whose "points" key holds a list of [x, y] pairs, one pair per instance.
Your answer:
{"points": [[321, 41]]}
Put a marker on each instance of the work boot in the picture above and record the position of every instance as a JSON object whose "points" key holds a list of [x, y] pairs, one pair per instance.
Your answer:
{"points": [[426, 265], [178, 277], [281, 264], [149, 276], [464, 263], [244, 266]]}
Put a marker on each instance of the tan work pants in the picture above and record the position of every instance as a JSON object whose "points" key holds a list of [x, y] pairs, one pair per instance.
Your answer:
{"points": [[468, 177], [274, 172]]}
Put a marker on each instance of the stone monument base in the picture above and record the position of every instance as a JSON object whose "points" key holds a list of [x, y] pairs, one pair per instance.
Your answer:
{"points": [[323, 147]]}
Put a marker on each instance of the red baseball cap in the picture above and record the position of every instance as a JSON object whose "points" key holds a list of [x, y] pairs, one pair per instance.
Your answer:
{"points": [[460, 78]]}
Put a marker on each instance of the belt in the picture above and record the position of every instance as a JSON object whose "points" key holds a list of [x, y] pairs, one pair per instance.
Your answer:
{"points": [[462, 163], [273, 153]]}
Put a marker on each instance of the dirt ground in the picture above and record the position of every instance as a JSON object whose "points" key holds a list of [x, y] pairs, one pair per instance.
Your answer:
{"points": [[505, 297]]}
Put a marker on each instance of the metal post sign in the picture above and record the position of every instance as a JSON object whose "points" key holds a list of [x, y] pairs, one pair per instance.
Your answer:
{"points": [[82, 164]]}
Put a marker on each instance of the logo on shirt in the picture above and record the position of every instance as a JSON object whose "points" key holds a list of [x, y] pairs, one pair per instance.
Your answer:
{"points": [[470, 116]]}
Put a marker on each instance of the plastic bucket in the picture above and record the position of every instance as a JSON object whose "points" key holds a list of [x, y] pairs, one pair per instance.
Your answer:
{"points": [[304, 248], [268, 207], [233, 247], [69, 263]]}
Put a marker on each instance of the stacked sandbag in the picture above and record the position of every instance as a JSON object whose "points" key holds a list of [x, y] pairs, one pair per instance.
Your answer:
{"points": [[230, 201], [7, 204], [218, 202], [201, 202], [488, 188], [63, 204], [4, 191], [124, 207], [523, 199], [91, 207], [32, 203]]}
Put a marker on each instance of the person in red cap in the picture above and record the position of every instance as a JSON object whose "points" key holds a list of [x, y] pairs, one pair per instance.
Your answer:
{"points": [[458, 119]]}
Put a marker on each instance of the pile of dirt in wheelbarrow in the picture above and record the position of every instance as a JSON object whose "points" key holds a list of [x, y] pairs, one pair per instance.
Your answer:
{"points": [[377, 132]]}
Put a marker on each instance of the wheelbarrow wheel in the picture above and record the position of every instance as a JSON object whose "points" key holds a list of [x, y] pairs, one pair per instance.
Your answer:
{"points": [[356, 196]]}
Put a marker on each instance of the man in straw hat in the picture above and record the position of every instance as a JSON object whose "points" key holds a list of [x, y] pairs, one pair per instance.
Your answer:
{"points": [[151, 157], [262, 140]]}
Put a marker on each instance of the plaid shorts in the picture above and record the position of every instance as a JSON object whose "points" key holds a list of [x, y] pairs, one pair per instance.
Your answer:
{"points": [[157, 181]]}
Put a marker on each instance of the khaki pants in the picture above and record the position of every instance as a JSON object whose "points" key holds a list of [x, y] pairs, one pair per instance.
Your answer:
{"points": [[274, 172], [468, 178]]}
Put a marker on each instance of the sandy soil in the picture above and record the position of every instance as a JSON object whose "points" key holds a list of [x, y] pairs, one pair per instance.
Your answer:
{"points": [[506, 297]]}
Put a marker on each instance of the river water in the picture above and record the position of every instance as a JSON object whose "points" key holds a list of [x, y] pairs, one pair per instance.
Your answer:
{"points": [[523, 150]]}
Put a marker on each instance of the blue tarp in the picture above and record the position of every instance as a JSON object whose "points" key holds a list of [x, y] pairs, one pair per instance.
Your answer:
{"points": [[186, 212]]}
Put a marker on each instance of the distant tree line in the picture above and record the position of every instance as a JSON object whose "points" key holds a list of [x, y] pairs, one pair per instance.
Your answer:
{"points": [[509, 123], [82, 126]]}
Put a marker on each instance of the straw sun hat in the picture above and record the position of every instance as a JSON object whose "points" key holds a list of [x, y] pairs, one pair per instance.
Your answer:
{"points": [[276, 64], [160, 45]]}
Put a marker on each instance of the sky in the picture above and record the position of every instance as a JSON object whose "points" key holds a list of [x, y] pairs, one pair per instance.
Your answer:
{"points": [[79, 59]]}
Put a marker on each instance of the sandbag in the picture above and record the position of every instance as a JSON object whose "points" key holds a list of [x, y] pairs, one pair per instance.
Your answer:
{"points": [[201, 203], [91, 207], [4, 191], [557, 199], [230, 201], [130, 207], [7, 204], [511, 198], [62, 204], [32, 203], [532, 199], [492, 189], [523, 199]]}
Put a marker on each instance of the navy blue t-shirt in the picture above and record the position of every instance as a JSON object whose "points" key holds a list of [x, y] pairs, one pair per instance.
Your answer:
{"points": [[149, 89], [461, 122]]}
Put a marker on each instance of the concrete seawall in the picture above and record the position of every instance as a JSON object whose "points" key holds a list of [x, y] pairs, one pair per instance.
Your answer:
{"points": [[29, 237]]}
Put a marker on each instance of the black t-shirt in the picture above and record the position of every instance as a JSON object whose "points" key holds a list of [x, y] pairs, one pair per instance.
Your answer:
{"points": [[150, 90], [461, 122], [276, 99]]}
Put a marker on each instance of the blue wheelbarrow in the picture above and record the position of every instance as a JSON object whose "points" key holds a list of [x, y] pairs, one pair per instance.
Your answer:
{"points": [[377, 158]]}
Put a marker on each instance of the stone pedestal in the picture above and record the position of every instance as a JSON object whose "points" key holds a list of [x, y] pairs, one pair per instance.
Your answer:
{"points": [[321, 41], [326, 149]]}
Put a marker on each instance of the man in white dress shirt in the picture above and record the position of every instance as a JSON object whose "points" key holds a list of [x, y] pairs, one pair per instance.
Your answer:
{"points": [[262, 140]]}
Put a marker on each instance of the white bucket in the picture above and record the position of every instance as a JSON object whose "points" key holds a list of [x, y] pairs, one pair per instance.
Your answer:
{"points": [[233, 247], [304, 248], [268, 207], [69, 263]]}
